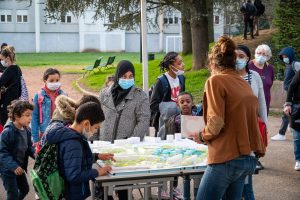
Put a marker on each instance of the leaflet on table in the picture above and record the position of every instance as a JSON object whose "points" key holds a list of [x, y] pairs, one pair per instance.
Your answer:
{"points": [[191, 125]]}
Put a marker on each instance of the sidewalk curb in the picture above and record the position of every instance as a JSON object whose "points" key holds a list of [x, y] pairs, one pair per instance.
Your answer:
{"points": [[84, 91]]}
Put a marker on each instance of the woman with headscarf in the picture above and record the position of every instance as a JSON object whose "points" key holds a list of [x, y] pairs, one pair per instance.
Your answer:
{"points": [[126, 107]]}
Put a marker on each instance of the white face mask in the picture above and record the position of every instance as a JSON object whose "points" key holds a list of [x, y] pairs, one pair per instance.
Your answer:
{"points": [[53, 86], [178, 72], [4, 64]]}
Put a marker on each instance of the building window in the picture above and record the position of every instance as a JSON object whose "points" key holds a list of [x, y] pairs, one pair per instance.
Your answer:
{"points": [[176, 20], [67, 18], [111, 18], [217, 19], [171, 18], [22, 16], [5, 16], [227, 20]]}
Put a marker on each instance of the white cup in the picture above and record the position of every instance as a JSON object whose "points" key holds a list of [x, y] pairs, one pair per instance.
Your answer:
{"points": [[177, 136], [170, 138], [151, 131]]}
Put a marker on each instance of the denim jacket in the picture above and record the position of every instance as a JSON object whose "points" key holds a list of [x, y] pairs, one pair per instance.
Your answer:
{"points": [[36, 126]]}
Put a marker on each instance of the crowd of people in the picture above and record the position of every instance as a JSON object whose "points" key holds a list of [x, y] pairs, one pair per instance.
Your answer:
{"points": [[239, 89]]}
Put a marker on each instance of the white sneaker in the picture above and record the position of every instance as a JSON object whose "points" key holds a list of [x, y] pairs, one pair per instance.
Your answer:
{"points": [[278, 137], [297, 166]]}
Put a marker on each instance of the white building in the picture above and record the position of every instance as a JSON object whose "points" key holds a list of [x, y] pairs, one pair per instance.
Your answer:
{"points": [[27, 28]]}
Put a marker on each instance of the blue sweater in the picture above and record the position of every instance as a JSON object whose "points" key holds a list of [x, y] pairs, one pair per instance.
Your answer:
{"points": [[75, 160]]}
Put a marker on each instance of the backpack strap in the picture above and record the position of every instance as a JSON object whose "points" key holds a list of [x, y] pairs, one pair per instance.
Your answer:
{"points": [[165, 83], [40, 103], [181, 82]]}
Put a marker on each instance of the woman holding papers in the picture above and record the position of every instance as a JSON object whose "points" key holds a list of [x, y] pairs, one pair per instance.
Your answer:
{"points": [[231, 132]]}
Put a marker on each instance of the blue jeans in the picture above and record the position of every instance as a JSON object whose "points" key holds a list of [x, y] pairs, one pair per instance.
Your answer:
{"points": [[16, 186], [296, 136], [248, 193], [226, 180]]}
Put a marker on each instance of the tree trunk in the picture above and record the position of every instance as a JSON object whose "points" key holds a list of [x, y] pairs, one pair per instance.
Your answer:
{"points": [[186, 32], [210, 10], [199, 30]]}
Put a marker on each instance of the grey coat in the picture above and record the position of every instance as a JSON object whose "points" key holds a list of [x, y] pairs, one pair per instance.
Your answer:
{"points": [[134, 118]]}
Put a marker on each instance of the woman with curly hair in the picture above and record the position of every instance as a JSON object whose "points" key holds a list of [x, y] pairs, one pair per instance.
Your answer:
{"points": [[231, 131]]}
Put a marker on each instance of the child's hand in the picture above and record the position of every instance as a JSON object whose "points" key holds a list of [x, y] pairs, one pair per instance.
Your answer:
{"points": [[104, 170], [19, 171], [106, 156]]}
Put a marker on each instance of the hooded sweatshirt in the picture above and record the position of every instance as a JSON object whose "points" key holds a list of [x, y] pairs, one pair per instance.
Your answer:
{"points": [[75, 160], [291, 68]]}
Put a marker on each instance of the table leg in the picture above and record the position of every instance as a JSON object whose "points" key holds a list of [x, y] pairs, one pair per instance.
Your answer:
{"points": [[105, 188], [186, 187], [92, 186], [129, 193], [171, 190], [146, 193], [196, 186], [159, 192]]}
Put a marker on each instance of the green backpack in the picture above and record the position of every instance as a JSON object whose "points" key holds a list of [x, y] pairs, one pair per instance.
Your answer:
{"points": [[45, 177]]}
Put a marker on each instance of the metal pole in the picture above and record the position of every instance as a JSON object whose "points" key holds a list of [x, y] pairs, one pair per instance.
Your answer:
{"points": [[144, 46], [37, 25]]}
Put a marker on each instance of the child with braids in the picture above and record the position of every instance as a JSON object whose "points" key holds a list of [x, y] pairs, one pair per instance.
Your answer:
{"points": [[168, 85]]}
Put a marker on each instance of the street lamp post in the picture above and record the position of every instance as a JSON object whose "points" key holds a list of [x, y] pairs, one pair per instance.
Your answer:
{"points": [[144, 46]]}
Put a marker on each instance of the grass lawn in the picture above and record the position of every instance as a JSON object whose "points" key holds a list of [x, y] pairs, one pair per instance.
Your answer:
{"points": [[73, 59], [194, 79]]}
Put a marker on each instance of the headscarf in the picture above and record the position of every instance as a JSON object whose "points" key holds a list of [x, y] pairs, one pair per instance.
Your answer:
{"points": [[117, 92]]}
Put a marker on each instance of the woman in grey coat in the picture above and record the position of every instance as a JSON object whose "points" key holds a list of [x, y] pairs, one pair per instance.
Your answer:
{"points": [[126, 107]]}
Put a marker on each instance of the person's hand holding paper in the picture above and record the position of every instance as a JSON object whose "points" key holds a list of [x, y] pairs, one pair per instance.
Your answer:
{"points": [[191, 125]]}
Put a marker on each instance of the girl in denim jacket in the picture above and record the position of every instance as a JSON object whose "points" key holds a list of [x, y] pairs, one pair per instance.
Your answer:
{"points": [[44, 104]]}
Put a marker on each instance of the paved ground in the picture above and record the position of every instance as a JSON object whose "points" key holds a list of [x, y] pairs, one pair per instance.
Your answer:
{"points": [[278, 181]]}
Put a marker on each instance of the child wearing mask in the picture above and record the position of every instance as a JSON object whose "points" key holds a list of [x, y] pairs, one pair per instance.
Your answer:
{"points": [[75, 155], [168, 86], [44, 104], [15, 149]]}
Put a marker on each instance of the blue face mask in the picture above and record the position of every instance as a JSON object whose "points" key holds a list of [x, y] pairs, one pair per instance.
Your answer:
{"points": [[260, 59], [240, 64], [286, 60], [126, 83]]}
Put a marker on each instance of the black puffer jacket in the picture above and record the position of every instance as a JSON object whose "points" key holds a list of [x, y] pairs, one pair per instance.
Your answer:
{"points": [[293, 98]]}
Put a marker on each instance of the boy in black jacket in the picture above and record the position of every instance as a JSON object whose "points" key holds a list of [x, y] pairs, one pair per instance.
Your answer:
{"points": [[15, 149]]}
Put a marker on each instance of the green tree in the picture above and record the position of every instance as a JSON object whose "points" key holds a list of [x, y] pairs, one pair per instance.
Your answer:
{"points": [[287, 20]]}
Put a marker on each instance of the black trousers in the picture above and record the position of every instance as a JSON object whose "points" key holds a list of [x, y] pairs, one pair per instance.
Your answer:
{"points": [[284, 124], [16, 187], [248, 22]]}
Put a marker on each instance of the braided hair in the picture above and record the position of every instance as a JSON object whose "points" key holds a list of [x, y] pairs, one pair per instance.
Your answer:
{"points": [[168, 60]]}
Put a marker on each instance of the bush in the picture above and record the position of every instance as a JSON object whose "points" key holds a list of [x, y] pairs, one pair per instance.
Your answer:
{"points": [[287, 20]]}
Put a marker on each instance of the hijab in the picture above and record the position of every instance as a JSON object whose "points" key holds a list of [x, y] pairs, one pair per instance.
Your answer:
{"points": [[117, 92]]}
